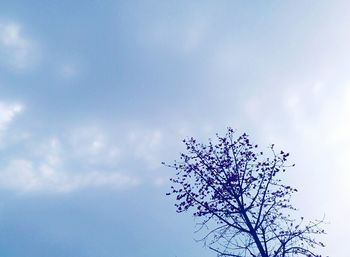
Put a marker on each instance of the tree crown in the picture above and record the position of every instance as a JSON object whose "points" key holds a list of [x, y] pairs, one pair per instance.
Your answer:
{"points": [[236, 192]]}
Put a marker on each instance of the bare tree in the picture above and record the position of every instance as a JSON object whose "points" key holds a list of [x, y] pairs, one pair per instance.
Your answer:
{"points": [[242, 206]]}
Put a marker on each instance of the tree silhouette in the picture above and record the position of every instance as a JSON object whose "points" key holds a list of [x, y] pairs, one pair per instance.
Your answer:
{"points": [[241, 204]]}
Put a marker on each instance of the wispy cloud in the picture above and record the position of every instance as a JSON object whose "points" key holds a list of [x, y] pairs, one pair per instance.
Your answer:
{"points": [[93, 144], [7, 112], [17, 51], [22, 175], [312, 121], [48, 168], [69, 161]]}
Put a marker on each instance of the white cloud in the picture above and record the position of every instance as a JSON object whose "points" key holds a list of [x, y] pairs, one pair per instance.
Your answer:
{"points": [[17, 51], [62, 164], [24, 175], [94, 145], [7, 113], [81, 157], [313, 123], [98, 145], [49, 167]]}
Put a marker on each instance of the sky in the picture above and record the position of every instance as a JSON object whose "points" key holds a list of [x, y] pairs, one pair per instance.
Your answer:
{"points": [[94, 95]]}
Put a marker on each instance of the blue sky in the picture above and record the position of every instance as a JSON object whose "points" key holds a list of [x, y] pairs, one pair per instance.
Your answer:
{"points": [[95, 94]]}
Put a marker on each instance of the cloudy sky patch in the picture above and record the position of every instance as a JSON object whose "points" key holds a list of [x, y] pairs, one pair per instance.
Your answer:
{"points": [[94, 96]]}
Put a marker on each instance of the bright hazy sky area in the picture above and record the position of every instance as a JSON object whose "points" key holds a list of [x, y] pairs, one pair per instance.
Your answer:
{"points": [[94, 95]]}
